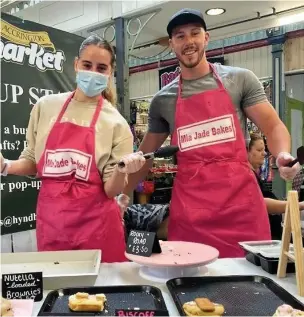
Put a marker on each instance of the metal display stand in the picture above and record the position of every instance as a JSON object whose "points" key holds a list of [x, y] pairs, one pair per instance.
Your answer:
{"points": [[292, 228]]}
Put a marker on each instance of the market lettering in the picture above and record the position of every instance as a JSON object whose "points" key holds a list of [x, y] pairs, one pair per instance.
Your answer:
{"points": [[24, 37], [136, 234], [135, 313], [30, 294], [18, 278], [26, 284], [12, 93], [166, 78], [63, 163], [186, 138], [36, 55], [36, 93], [221, 130], [203, 134], [208, 132]]}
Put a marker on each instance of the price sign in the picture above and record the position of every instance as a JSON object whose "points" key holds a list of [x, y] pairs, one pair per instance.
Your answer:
{"points": [[140, 312], [143, 243], [23, 286]]}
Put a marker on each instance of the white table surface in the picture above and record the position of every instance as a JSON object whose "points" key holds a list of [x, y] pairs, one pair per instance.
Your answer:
{"points": [[128, 274]]}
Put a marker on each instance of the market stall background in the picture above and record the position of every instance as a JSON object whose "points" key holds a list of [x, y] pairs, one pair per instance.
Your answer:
{"points": [[249, 49]]}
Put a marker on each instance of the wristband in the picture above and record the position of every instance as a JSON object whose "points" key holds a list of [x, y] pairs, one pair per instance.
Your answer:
{"points": [[7, 164]]}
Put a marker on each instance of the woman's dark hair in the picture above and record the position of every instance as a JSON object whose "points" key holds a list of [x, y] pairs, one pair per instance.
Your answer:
{"points": [[110, 92], [253, 138]]}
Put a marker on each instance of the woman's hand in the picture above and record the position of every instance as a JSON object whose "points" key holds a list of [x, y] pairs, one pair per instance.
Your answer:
{"points": [[123, 202], [2, 162], [133, 163], [301, 204]]}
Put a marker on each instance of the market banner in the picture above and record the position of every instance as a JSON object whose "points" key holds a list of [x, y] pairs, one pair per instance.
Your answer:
{"points": [[168, 74], [36, 60]]}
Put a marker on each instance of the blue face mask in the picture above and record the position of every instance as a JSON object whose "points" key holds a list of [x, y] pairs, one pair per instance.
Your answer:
{"points": [[91, 83]]}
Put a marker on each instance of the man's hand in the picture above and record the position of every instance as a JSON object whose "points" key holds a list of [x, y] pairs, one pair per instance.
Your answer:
{"points": [[287, 173], [301, 205]]}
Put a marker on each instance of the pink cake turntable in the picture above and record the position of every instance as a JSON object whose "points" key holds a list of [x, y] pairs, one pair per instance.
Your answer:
{"points": [[177, 259]]}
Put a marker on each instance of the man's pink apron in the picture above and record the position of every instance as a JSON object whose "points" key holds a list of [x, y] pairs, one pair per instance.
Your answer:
{"points": [[73, 211], [216, 199]]}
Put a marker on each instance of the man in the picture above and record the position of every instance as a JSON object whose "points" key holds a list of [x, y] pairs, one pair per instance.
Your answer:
{"points": [[215, 199]]}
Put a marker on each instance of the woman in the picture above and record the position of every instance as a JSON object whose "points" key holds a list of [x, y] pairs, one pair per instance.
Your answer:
{"points": [[275, 207], [74, 142]]}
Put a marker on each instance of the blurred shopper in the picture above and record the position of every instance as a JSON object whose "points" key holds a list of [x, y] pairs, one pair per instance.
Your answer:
{"points": [[275, 207]]}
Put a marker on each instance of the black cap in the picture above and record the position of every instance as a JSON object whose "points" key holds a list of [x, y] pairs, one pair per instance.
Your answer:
{"points": [[185, 16]]}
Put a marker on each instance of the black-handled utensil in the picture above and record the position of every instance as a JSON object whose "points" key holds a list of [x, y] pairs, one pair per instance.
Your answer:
{"points": [[300, 157], [166, 151]]}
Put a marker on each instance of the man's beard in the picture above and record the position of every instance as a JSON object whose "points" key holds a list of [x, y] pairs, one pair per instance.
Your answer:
{"points": [[191, 64]]}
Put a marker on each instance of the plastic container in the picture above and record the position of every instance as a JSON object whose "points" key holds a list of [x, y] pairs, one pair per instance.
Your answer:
{"points": [[253, 258], [270, 265]]}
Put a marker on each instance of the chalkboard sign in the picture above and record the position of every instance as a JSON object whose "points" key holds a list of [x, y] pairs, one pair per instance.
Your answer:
{"points": [[143, 243], [23, 286], [140, 312]]}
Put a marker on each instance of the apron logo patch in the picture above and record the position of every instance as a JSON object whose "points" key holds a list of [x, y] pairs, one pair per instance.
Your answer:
{"points": [[205, 133], [66, 162]]}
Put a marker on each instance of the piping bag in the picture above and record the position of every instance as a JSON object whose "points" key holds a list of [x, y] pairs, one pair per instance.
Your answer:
{"points": [[165, 151], [300, 157]]}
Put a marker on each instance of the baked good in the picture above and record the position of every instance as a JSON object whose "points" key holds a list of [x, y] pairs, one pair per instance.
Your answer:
{"points": [[287, 310], [6, 308], [86, 302], [203, 307]]}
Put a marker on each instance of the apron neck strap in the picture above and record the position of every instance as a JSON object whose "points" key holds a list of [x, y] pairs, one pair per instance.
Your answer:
{"points": [[96, 113], [63, 109], [214, 73], [216, 76]]}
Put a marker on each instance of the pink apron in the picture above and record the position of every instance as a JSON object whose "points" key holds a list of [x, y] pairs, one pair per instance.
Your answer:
{"points": [[73, 211], [216, 199]]}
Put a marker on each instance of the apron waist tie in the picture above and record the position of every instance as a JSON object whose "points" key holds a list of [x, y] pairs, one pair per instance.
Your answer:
{"points": [[203, 163]]}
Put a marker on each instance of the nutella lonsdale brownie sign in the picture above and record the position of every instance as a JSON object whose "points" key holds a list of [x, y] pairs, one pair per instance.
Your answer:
{"points": [[36, 60]]}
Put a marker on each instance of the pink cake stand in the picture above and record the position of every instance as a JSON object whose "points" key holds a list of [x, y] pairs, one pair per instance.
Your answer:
{"points": [[177, 259]]}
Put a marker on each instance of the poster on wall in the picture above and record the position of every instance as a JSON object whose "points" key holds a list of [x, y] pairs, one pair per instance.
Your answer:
{"points": [[168, 74], [36, 60]]}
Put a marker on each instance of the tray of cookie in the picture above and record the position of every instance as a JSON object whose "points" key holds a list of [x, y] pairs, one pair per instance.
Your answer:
{"points": [[234, 295], [103, 301]]}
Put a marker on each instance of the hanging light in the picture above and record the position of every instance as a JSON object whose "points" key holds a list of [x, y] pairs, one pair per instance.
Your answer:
{"points": [[215, 11]]}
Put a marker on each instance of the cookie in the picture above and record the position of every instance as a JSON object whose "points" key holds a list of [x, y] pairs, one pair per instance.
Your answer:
{"points": [[204, 304], [192, 309], [6, 308], [287, 310], [86, 302]]}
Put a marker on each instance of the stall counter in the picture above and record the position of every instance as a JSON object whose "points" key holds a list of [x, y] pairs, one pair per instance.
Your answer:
{"points": [[128, 274]]}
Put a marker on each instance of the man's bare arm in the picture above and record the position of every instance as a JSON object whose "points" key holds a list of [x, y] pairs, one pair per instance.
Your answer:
{"points": [[150, 143], [264, 116]]}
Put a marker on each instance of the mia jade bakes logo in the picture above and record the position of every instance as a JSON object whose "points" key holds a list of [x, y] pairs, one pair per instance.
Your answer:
{"points": [[205, 133], [63, 162], [29, 47]]}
